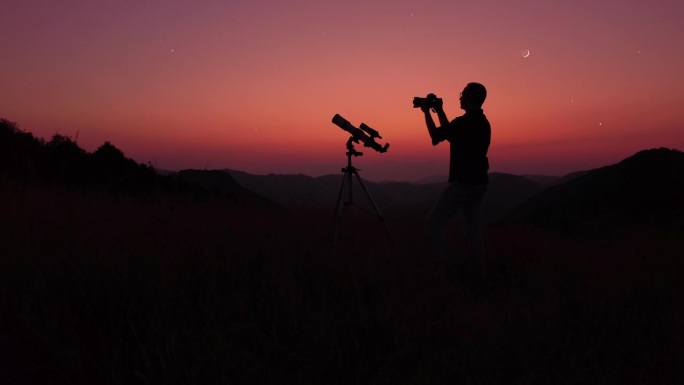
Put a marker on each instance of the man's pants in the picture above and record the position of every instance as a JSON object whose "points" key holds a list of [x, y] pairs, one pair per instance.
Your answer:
{"points": [[458, 197]]}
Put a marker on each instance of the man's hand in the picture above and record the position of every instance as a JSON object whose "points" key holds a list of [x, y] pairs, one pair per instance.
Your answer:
{"points": [[437, 104]]}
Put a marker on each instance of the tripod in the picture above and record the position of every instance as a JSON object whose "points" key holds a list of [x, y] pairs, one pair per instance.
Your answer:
{"points": [[347, 180]]}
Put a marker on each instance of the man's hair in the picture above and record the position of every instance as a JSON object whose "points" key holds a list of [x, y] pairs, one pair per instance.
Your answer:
{"points": [[479, 92]]}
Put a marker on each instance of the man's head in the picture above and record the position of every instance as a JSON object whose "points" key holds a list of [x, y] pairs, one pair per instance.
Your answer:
{"points": [[472, 96]]}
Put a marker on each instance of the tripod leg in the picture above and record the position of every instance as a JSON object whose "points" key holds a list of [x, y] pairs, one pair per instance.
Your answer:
{"points": [[348, 172], [377, 211], [336, 218]]}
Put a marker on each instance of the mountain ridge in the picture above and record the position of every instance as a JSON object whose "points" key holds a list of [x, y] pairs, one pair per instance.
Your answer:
{"points": [[393, 198], [643, 190]]}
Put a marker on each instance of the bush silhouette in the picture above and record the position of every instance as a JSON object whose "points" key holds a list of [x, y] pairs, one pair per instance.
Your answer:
{"points": [[20, 152], [110, 169], [66, 161]]}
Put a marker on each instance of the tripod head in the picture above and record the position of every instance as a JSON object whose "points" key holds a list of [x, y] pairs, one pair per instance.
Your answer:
{"points": [[351, 151]]}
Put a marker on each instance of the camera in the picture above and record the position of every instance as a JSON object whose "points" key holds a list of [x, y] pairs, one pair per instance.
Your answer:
{"points": [[431, 100]]}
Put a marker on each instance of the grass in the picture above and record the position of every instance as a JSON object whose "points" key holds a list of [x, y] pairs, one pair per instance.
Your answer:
{"points": [[127, 291]]}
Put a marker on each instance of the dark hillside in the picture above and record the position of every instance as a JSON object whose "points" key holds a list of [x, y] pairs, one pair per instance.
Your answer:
{"points": [[19, 151], [569, 177], [219, 182], [505, 192], [98, 290], [61, 163], [104, 282], [288, 190], [644, 190]]}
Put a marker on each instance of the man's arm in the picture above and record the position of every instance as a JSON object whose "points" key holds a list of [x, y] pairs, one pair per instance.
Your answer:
{"points": [[436, 133], [439, 109]]}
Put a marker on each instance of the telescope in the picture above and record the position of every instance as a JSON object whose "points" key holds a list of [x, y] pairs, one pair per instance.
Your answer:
{"points": [[363, 133], [366, 135]]}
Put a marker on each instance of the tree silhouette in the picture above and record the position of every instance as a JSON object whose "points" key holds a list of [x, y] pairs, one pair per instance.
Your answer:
{"points": [[19, 151], [111, 169], [66, 161]]}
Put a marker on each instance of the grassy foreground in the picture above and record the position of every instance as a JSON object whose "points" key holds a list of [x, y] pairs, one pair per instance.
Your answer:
{"points": [[106, 290]]}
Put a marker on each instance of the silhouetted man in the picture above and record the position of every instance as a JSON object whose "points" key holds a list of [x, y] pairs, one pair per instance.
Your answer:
{"points": [[469, 136]]}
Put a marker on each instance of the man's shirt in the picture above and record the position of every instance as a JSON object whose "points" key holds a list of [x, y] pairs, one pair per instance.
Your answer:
{"points": [[469, 136]]}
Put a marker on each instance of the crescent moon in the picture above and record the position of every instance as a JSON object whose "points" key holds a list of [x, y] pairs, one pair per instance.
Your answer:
{"points": [[525, 53]]}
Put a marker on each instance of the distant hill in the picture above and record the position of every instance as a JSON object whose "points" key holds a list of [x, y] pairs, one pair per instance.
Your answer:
{"points": [[568, 177], [394, 199], [441, 178], [644, 190], [505, 192], [544, 180], [220, 182]]}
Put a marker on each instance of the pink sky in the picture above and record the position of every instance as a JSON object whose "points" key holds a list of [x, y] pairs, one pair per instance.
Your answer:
{"points": [[253, 85]]}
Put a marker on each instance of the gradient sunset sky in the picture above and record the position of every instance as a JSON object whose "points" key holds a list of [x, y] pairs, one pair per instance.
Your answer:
{"points": [[253, 85]]}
